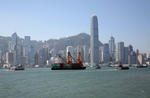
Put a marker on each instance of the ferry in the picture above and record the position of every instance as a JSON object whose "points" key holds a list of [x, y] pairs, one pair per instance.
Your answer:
{"points": [[16, 68]]}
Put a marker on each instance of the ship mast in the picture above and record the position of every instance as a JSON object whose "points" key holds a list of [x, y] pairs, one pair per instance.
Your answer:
{"points": [[79, 59]]}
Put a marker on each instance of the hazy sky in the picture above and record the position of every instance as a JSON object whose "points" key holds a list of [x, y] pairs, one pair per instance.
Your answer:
{"points": [[126, 20]]}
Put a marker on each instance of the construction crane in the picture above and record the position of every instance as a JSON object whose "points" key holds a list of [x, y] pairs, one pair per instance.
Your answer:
{"points": [[79, 59], [69, 58]]}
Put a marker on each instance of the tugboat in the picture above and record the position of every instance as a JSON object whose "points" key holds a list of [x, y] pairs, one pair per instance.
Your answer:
{"points": [[69, 65], [121, 67], [16, 68]]}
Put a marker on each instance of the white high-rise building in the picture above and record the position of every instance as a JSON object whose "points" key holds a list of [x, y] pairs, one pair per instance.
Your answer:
{"points": [[112, 47], [9, 58], [120, 52], [94, 46], [85, 55], [104, 53]]}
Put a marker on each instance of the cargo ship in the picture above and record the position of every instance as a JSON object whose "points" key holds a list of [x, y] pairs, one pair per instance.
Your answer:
{"points": [[68, 64], [16, 68]]}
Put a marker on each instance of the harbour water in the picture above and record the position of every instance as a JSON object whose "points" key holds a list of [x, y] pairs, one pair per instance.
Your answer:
{"points": [[90, 83]]}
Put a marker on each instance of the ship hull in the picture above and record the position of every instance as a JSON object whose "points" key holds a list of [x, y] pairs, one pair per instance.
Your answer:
{"points": [[16, 68], [141, 66], [123, 68], [74, 66], [81, 68]]}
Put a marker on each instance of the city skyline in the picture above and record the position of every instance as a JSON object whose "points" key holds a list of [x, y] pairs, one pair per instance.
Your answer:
{"points": [[31, 53], [74, 48], [127, 21]]}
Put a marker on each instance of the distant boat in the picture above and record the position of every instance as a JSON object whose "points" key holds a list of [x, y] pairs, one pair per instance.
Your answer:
{"points": [[16, 68], [121, 67], [142, 66], [98, 67], [37, 66]]}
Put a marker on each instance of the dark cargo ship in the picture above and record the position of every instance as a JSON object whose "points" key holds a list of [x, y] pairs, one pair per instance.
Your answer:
{"points": [[62, 66], [69, 65]]}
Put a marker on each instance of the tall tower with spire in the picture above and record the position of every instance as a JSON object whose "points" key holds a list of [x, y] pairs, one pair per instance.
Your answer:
{"points": [[94, 46]]}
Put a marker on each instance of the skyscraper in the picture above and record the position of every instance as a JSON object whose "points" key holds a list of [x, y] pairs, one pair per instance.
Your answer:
{"points": [[94, 46], [27, 40], [13, 41], [104, 53], [32, 52], [36, 58], [45, 53], [132, 58], [130, 48], [120, 52], [126, 53], [141, 59], [85, 54], [112, 47], [9, 58], [27, 48]]}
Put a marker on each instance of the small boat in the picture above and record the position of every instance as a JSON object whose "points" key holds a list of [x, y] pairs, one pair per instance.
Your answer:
{"points": [[15, 68], [98, 67], [142, 66], [121, 67]]}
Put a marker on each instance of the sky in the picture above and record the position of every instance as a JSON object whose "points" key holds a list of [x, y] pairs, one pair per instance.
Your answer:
{"points": [[126, 20]]}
